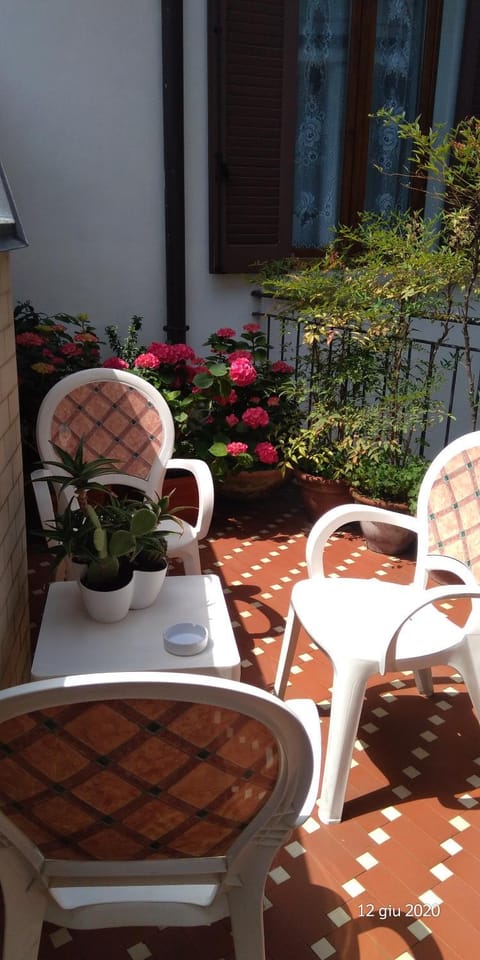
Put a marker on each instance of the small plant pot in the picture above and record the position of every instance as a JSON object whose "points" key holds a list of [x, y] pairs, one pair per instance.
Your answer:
{"points": [[146, 587], [107, 605]]}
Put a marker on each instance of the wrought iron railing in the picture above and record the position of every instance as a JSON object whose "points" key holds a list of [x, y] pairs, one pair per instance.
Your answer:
{"points": [[446, 359]]}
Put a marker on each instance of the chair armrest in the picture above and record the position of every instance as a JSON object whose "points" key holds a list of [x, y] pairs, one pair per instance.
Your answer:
{"points": [[204, 480], [43, 497], [306, 711], [434, 595], [327, 524]]}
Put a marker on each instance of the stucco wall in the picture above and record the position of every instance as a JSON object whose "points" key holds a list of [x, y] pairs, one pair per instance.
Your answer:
{"points": [[81, 142], [14, 618], [82, 145]]}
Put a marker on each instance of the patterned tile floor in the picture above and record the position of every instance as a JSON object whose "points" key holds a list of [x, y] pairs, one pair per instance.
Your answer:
{"points": [[399, 877]]}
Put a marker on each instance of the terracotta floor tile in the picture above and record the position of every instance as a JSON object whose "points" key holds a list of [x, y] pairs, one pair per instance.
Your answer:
{"points": [[258, 551]]}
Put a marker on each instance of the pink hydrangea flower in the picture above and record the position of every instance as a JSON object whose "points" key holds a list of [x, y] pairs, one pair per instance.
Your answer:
{"points": [[255, 417], [226, 332], [231, 420], [235, 448], [279, 366], [266, 453], [29, 340], [251, 327], [273, 402], [163, 351], [149, 361], [115, 363], [242, 372], [239, 354]]}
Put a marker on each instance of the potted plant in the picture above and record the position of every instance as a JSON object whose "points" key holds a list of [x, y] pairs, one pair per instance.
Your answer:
{"points": [[112, 540]]}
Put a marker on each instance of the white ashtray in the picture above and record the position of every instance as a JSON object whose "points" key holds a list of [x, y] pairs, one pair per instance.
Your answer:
{"points": [[185, 639]]}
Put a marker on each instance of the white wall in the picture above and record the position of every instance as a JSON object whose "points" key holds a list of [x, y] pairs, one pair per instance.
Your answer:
{"points": [[81, 142]]}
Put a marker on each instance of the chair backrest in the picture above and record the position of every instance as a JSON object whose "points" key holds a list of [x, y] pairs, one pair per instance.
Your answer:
{"points": [[118, 415], [146, 767], [449, 504]]}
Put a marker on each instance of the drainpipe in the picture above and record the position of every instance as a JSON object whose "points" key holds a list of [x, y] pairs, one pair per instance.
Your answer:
{"points": [[173, 150]]}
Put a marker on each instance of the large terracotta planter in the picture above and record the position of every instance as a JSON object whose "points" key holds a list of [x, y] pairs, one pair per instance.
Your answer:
{"points": [[384, 537], [319, 494], [250, 484]]}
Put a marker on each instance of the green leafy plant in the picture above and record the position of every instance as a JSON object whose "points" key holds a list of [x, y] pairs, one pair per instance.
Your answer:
{"points": [[112, 534]]}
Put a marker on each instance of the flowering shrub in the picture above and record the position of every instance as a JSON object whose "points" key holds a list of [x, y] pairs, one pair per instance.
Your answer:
{"points": [[48, 348], [248, 403], [234, 408]]}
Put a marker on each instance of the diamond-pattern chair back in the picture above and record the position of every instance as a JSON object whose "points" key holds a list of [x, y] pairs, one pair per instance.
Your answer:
{"points": [[134, 779], [117, 415], [147, 799], [454, 509]]}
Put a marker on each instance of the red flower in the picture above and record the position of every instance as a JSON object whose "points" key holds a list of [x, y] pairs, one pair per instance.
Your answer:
{"points": [[149, 361], [231, 420], [115, 363], [255, 417], [239, 354], [71, 350], [242, 372], [29, 340], [235, 448], [279, 366], [266, 453], [226, 332], [251, 327]]}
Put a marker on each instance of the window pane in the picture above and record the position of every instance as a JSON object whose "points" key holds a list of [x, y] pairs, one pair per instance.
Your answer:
{"points": [[398, 53], [322, 65]]}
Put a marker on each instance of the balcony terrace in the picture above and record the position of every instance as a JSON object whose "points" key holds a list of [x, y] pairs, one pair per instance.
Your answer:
{"points": [[398, 878]]}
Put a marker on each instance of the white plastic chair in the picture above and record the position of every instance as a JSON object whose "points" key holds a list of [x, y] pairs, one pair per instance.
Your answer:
{"points": [[147, 799], [369, 627], [121, 416]]}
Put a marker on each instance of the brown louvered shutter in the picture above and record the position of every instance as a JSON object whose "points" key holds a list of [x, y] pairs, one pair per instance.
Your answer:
{"points": [[252, 98], [468, 97]]}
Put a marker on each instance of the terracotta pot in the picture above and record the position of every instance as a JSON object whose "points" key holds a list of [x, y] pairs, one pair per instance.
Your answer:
{"points": [[250, 484], [320, 494], [384, 537]]}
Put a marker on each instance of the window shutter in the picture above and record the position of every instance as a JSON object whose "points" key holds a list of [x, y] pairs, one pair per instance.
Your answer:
{"points": [[468, 97], [252, 98]]}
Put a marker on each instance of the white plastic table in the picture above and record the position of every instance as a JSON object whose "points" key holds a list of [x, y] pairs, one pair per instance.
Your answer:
{"points": [[70, 643]]}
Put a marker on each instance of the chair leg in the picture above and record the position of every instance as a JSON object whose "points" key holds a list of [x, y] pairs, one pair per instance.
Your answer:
{"points": [[424, 681], [191, 560], [289, 643], [24, 905], [465, 662], [347, 701], [246, 917]]}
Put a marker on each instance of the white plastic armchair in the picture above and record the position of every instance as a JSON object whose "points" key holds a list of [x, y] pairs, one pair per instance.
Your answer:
{"points": [[121, 416], [369, 627], [147, 799]]}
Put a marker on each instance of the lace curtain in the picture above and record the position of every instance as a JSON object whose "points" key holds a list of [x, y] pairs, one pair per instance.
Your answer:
{"points": [[322, 68]]}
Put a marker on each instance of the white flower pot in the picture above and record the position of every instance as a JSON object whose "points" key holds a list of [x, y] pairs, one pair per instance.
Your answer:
{"points": [[146, 587], [107, 606]]}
